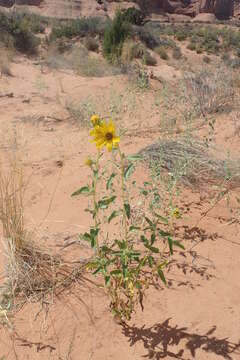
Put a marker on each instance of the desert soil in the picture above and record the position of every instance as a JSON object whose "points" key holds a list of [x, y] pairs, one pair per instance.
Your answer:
{"points": [[197, 315]]}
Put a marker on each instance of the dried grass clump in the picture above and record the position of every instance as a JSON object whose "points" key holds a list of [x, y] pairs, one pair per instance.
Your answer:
{"points": [[191, 162], [211, 91], [32, 272]]}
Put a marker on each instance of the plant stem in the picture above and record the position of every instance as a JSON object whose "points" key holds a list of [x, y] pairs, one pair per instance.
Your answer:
{"points": [[123, 192], [95, 203]]}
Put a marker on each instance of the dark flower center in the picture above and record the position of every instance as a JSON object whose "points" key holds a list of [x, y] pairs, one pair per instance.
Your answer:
{"points": [[109, 136]]}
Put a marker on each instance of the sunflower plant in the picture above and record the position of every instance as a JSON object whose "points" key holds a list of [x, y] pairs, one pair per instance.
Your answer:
{"points": [[125, 237]]}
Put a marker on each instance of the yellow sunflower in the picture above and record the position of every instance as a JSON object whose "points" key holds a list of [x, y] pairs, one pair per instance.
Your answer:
{"points": [[105, 135], [95, 119]]}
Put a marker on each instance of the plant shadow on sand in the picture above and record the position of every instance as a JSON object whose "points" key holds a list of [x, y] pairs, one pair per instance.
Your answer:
{"points": [[159, 338]]}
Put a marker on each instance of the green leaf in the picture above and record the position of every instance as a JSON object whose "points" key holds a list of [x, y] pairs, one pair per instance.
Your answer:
{"points": [[121, 244], [163, 219], [107, 279], [150, 260], [116, 272], [129, 170], [86, 237], [134, 228], [152, 225], [110, 180], [151, 248], [161, 275], [134, 157], [82, 190], [99, 269], [178, 244], [104, 203], [163, 233], [127, 210], [144, 239], [95, 174], [112, 216], [153, 238], [170, 244], [138, 285], [105, 249]]}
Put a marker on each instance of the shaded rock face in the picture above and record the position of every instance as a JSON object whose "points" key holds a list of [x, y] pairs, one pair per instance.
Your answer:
{"points": [[222, 9], [10, 3], [6, 3], [29, 2]]}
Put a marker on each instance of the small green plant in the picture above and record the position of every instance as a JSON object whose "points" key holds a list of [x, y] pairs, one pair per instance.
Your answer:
{"points": [[133, 16], [161, 51], [126, 241], [181, 35], [114, 37], [91, 44], [148, 59], [191, 46], [78, 27], [18, 31], [176, 53]]}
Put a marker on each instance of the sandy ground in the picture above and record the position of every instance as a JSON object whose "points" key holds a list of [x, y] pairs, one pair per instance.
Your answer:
{"points": [[196, 316]]}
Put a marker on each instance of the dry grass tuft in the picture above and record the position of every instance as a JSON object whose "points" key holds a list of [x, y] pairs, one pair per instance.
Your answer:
{"points": [[32, 272], [191, 162], [5, 59]]}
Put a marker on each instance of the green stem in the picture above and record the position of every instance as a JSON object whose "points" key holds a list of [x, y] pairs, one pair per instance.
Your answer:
{"points": [[123, 193], [95, 203]]}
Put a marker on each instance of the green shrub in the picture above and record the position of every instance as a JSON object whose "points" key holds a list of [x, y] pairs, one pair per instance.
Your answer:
{"points": [[191, 46], [17, 30], [181, 35], [133, 16], [161, 51], [177, 53], [148, 59], [114, 37], [148, 38], [24, 40], [199, 49], [78, 27], [91, 44]]}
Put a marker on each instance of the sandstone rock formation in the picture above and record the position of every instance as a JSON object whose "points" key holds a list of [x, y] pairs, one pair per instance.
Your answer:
{"points": [[222, 9], [10, 3]]}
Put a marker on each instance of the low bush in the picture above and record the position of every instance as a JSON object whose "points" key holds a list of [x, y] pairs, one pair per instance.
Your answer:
{"points": [[161, 51], [114, 37], [176, 53], [132, 50], [91, 44], [148, 59], [148, 38], [191, 46], [18, 31], [133, 16], [78, 27], [181, 35]]}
